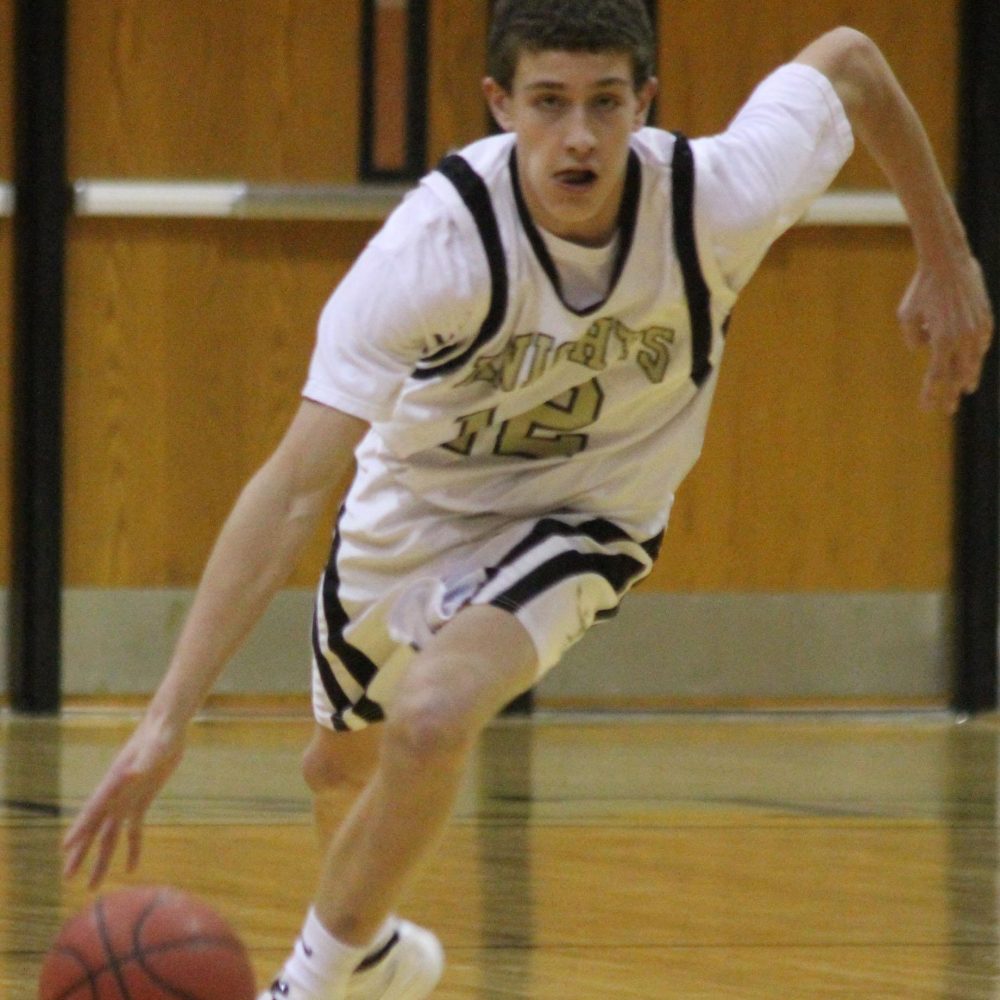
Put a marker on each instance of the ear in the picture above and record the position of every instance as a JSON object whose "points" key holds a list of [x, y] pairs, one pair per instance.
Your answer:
{"points": [[499, 103], [646, 93]]}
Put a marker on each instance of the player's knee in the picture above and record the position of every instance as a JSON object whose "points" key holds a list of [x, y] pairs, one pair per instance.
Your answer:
{"points": [[322, 771], [425, 727], [326, 768]]}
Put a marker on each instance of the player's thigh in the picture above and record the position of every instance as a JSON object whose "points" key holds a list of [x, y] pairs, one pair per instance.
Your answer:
{"points": [[473, 666]]}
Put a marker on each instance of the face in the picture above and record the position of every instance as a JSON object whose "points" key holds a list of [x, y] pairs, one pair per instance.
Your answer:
{"points": [[573, 114]]}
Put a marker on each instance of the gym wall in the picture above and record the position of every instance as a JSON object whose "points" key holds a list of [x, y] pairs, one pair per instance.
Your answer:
{"points": [[809, 555]]}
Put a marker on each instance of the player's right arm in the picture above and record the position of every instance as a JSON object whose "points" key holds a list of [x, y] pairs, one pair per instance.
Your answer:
{"points": [[257, 549]]}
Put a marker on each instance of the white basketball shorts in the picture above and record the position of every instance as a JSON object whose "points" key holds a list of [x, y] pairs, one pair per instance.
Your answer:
{"points": [[381, 598]]}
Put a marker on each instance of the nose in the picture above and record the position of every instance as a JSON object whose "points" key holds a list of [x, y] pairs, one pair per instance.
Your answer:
{"points": [[580, 138]]}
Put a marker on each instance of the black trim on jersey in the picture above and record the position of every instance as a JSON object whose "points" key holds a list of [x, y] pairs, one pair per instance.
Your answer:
{"points": [[359, 666], [686, 244], [473, 192], [628, 213]]}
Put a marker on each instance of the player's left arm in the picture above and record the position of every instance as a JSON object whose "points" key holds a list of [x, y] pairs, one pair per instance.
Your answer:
{"points": [[946, 307]]}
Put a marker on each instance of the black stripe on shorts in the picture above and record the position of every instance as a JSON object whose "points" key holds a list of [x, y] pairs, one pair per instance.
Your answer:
{"points": [[619, 570], [602, 531], [357, 664]]}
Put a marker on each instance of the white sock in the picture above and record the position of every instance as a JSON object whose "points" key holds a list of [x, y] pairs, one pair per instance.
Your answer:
{"points": [[319, 962]]}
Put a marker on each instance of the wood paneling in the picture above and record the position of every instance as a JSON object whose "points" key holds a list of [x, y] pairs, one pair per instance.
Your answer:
{"points": [[187, 346], [457, 67], [188, 341], [263, 91], [820, 472], [712, 55]]}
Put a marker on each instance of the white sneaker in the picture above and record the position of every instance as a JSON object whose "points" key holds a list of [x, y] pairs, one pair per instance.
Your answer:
{"points": [[407, 967]]}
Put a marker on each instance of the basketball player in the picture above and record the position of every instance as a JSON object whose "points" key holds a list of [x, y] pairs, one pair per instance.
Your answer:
{"points": [[523, 361]]}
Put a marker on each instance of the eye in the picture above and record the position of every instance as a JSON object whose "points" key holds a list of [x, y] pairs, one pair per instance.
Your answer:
{"points": [[607, 102], [549, 102]]}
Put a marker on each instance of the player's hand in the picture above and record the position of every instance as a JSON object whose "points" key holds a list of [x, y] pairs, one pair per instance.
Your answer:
{"points": [[120, 801], [947, 309]]}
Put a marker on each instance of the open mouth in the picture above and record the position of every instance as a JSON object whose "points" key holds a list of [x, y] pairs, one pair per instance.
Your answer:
{"points": [[578, 180]]}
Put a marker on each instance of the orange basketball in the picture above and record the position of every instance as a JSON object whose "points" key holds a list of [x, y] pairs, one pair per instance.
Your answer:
{"points": [[150, 943]]}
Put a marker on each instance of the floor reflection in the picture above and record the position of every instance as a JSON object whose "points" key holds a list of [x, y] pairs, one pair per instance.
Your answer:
{"points": [[505, 787], [30, 797], [974, 864]]}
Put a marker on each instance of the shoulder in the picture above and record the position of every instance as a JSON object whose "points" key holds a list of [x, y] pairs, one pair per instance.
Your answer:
{"points": [[654, 147], [796, 105], [431, 243], [790, 137], [783, 148], [435, 216]]}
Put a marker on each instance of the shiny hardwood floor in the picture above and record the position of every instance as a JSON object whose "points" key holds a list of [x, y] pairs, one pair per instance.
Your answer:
{"points": [[689, 856]]}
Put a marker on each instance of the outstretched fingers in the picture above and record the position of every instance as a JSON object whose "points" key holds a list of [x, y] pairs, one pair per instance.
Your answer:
{"points": [[119, 803], [98, 828]]}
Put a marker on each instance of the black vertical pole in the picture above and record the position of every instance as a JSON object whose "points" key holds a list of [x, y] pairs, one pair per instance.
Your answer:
{"points": [[413, 93], [417, 74], [39, 252], [978, 445]]}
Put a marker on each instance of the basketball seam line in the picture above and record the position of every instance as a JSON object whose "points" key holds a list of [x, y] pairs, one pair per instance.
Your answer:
{"points": [[102, 930]]}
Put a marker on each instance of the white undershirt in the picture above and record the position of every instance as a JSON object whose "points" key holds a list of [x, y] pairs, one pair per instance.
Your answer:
{"points": [[585, 272]]}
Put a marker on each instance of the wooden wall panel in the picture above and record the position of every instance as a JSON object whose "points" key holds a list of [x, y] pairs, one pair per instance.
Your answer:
{"points": [[187, 346], [457, 107], [262, 91], [188, 341], [712, 54], [820, 473]]}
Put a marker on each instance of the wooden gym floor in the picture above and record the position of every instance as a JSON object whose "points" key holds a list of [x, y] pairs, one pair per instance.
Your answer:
{"points": [[686, 856]]}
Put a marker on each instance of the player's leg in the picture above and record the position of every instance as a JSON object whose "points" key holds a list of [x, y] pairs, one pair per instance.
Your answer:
{"points": [[474, 666], [477, 663], [336, 767], [544, 589]]}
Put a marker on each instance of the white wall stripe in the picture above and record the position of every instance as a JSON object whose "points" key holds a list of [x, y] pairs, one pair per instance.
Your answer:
{"points": [[239, 199]]}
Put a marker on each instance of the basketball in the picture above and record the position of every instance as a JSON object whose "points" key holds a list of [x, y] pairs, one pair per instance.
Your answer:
{"points": [[150, 943]]}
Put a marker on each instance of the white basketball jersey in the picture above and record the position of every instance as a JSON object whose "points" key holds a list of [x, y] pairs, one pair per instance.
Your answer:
{"points": [[544, 407], [501, 398]]}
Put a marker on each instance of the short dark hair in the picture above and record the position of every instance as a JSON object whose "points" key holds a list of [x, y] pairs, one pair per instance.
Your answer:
{"points": [[570, 26]]}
